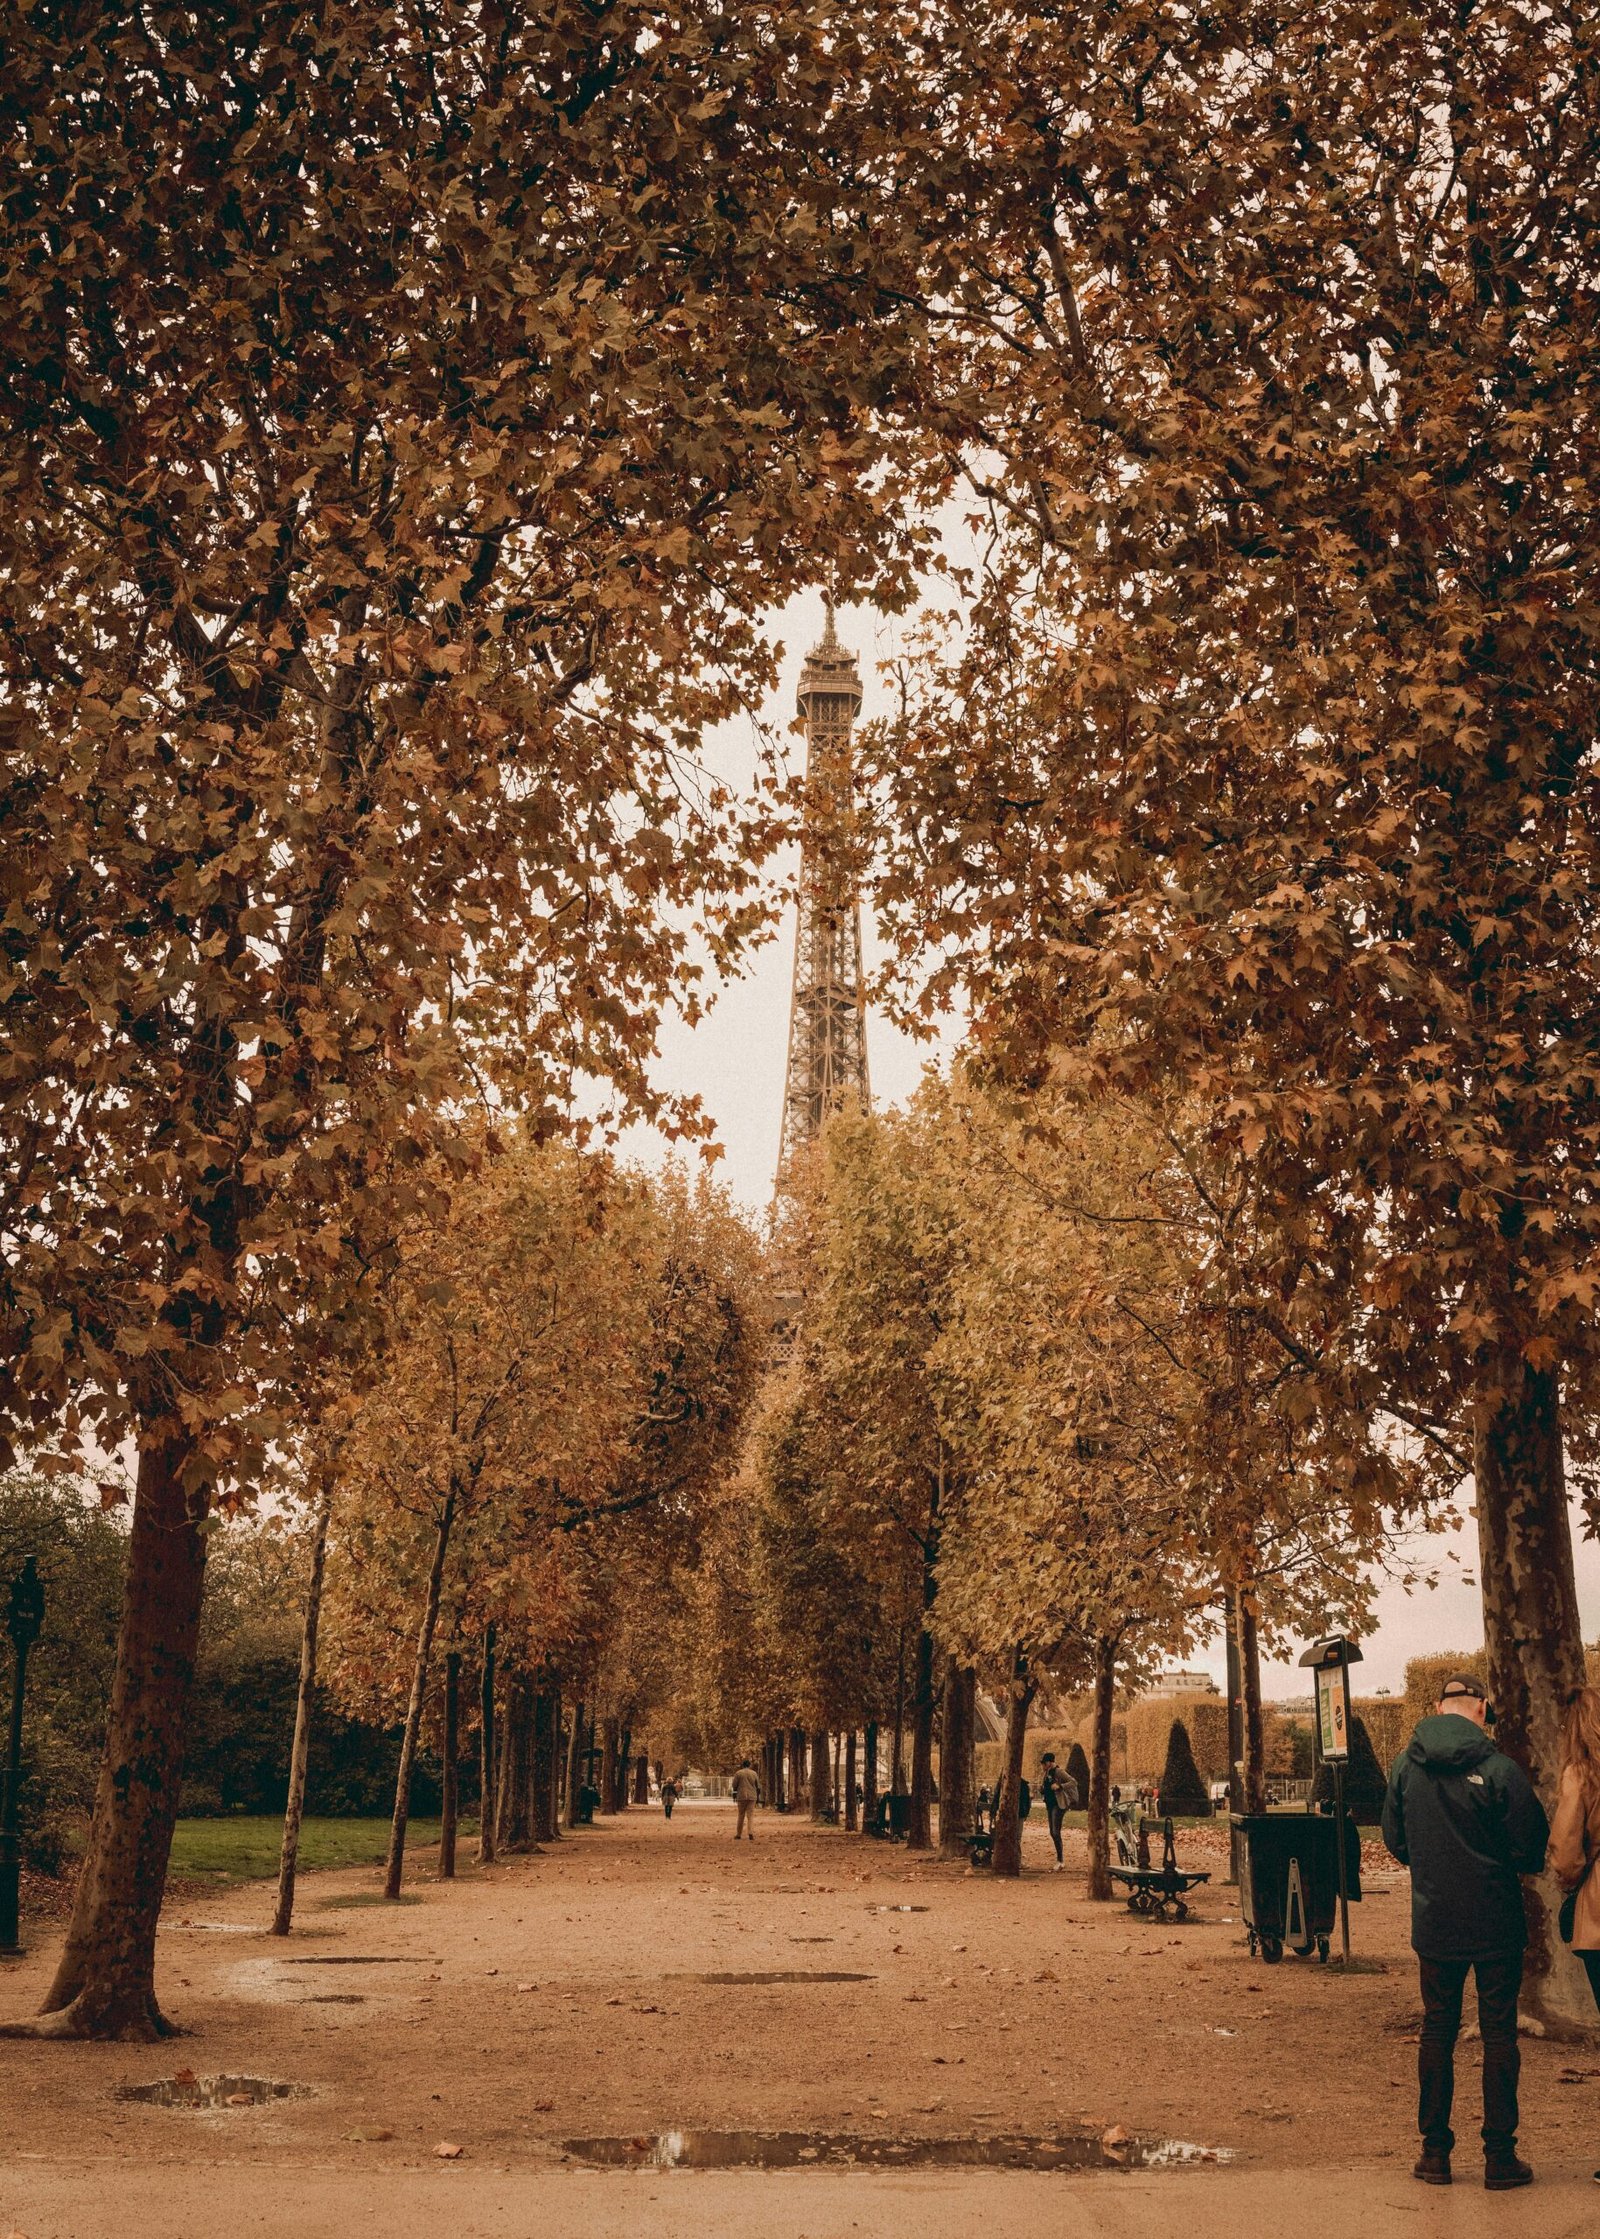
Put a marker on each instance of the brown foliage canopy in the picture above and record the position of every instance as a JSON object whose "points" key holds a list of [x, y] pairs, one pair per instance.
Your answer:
{"points": [[409, 411]]}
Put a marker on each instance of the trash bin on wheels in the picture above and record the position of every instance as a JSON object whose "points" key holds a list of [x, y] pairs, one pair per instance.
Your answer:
{"points": [[1289, 1879]]}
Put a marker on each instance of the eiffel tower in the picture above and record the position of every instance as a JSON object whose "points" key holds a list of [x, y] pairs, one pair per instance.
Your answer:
{"points": [[827, 1011]]}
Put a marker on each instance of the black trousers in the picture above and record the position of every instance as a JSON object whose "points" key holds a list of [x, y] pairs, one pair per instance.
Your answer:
{"points": [[1053, 1819], [1443, 1981]]}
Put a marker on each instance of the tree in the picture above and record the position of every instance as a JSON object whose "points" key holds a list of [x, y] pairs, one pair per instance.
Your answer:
{"points": [[1270, 347], [1182, 1793], [416, 409]]}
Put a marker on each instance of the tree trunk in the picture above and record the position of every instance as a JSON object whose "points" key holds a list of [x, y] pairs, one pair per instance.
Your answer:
{"points": [[1006, 1856], [869, 1776], [542, 1799], [294, 1807], [955, 1761], [419, 1688], [486, 1753], [1252, 1730], [516, 1783], [1531, 1630], [821, 1776], [574, 1764], [851, 1816], [897, 1753], [1099, 1821], [624, 1760], [450, 1771], [104, 1984], [797, 1767], [641, 1779], [924, 1701], [558, 1763], [610, 1735]]}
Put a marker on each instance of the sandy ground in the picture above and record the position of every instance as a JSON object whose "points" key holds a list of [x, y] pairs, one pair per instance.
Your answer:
{"points": [[563, 1995]]}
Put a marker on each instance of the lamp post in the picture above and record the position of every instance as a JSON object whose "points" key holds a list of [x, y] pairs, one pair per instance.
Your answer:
{"points": [[1329, 1664], [23, 1620]]}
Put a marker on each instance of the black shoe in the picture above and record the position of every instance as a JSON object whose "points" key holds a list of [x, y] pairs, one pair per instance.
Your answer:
{"points": [[1503, 2172], [1432, 2167]]}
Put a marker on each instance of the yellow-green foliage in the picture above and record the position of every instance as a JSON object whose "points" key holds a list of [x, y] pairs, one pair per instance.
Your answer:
{"points": [[991, 1755], [1388, 1721], [1425, 1675], [1150, 1723]]}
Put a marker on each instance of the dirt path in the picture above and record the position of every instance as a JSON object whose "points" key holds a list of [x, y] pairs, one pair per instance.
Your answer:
{"points": [[566, 1995]]}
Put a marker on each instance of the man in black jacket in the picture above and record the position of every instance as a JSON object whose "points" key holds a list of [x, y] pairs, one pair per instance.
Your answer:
{"points": [[1466, 1821]]}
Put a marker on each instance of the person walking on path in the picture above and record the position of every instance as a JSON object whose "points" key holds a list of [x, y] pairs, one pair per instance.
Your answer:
{"points": [[669, 1796], [1575, 1833], [1060, 1797], [1466, 1821], [746, 1796]]}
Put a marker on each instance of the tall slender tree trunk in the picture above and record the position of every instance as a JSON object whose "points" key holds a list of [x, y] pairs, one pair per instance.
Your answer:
{"points": [[419, 1688], [869, 1776], [558, 1764], [641, 1778], [821, 1775], [450, 1770], [1531, 1628], [610, 1735], [486, 1752], [897, 1753], [1006, 1856], [852, 1817], [624, 1761], [955, 1761], [542, 1799], [516, 1785], [574, 1764], [300, 1751], [797, 1767], [1252, 1728], [924, 1700], [104, 1985], [1099, 1817]]}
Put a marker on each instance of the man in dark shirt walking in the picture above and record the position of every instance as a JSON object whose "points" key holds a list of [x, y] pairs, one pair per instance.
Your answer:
{"points": [[1466, 1821]]}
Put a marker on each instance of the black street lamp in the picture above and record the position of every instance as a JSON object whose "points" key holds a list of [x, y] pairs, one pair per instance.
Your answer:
{"points": [[23, 1620]]}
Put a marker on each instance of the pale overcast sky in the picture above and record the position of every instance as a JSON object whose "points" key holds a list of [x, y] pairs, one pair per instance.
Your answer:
{"points": [[735, 1061]]}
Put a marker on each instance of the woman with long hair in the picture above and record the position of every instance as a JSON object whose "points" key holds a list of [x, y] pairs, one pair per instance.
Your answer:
{"points": [[1575, 1829]]}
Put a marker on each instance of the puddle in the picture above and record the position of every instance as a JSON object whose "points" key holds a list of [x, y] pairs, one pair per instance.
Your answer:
{"points": [[363, 1959], [351, 1904], [186, 2089], [802, 2149], [780, 1974]]}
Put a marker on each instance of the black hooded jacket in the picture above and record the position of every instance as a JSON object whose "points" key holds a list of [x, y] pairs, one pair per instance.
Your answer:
{"points": [[1466, 1821]]}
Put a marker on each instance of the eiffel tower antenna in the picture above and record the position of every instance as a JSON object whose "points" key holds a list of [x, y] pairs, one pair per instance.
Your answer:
{"points": [[827, 1011]]}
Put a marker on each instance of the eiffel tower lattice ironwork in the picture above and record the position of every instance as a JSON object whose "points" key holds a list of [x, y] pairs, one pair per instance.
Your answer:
{"points": [[827, 1012]]}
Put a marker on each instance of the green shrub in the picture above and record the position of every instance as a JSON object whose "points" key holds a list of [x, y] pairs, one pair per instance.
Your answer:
{"points": [[1183, 1794]]}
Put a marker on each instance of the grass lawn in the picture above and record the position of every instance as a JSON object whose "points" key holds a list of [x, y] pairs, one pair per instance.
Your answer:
{"points": [[247, 1849]]}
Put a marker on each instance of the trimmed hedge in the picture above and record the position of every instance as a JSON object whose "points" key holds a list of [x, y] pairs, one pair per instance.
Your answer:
{"points": [[1183, 1793]]}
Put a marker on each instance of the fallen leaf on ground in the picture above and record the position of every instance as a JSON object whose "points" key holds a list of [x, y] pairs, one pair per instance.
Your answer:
{"points": [[527, 1986], [543, 2106], [1115, 2136], [445, 2151], [368, 2137], [185, 2076], [1047, 1974]]}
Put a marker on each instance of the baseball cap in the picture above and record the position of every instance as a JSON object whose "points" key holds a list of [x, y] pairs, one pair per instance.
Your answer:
{"points": [[1462, 1683]]}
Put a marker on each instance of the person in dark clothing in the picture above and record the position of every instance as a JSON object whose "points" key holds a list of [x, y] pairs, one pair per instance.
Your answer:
{"points": [[1466, 1821], [1060, 1797]]}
